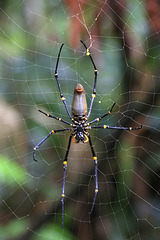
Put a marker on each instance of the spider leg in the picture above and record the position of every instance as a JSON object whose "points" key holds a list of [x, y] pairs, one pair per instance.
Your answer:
{"points": [[44, 139], [57, 118], [118, 128], [106, 114], [64, 175], [59, 87], [96, 176], [95, 78]]}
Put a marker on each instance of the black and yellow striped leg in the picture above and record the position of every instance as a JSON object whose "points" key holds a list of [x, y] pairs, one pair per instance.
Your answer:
{"points": [[44, 139], [95, 78], [63, 188], [59, 87], [118, 128], [96, 175], [64, 176], [57, 118], [106, 114]]}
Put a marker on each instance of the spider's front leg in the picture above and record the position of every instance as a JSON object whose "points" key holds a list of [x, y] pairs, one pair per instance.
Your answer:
{"points": [[44, 139], [96, 175], [64, 176], [37, 146]]}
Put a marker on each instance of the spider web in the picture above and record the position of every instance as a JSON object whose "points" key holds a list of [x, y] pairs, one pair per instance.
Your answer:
{"points": [[123, 38]]}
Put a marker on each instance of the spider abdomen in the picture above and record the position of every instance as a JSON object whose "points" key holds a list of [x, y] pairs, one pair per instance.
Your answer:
{"points": [[79, 104]]}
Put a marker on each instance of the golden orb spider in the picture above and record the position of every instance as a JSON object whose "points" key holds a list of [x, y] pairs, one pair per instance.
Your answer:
{"points": [[80, 125]]}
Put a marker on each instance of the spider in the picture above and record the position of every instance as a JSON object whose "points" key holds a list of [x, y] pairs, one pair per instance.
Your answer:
{"points": [[80, 125]]}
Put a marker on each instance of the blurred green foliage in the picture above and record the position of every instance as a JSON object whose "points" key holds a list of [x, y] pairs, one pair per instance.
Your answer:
{"points": [[11, 173]]}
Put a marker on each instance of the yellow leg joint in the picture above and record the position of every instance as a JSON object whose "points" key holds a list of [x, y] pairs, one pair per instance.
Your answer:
{"points": [[95, 158], [109, 112], [93, 95], [62, 98], [130, 128], [47, 115], [87, 53], [105, 126], [63, 195], [52, 131], [96, 190], [65, 163], [34, 148]]}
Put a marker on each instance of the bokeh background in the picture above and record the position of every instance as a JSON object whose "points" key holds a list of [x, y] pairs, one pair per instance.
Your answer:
{"points": [[123, 38]]}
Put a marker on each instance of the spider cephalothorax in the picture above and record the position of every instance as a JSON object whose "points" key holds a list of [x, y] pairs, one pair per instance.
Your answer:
{"points": [[80, 125]]}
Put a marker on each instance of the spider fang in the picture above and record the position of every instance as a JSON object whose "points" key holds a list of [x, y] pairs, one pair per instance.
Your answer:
{"points": [[86, 139]]}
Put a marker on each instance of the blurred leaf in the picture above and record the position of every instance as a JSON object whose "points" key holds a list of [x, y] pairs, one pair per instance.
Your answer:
{"points": [[11, 172], [54, 232], [13, 228]]}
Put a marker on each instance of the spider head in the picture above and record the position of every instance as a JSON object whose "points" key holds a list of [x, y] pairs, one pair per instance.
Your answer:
{"points": [[80, 136]]}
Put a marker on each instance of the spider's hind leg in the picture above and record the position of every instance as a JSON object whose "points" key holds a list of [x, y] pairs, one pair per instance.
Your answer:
{"points": [[106, 114], [57, 118], [95, 78], [58, 83]]}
